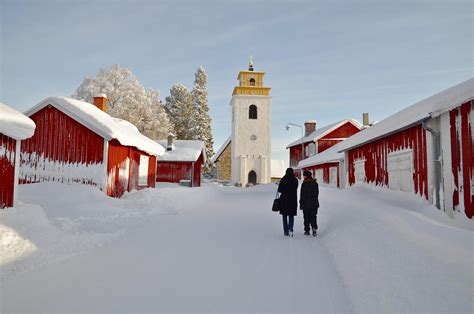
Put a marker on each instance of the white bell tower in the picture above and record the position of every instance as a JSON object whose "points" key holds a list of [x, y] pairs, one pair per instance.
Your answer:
{"points": [[251, 149]]}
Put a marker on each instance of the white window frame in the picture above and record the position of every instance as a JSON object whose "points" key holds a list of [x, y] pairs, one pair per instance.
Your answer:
{"points": [[143, 170], [357, 164]]}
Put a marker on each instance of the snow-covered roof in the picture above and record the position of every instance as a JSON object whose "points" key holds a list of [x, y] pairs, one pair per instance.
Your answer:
{"points": [[221, 150], [14, 124], [431, 106], [102, 123], [183, 150], [331, 154], [318, 133], [278, 168]]}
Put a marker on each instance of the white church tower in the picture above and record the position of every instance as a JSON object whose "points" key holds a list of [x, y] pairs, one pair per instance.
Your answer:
{"points": [[251, 150]]}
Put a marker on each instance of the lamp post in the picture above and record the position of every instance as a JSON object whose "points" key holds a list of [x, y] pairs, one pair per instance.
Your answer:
{"points": [[288, 127]]}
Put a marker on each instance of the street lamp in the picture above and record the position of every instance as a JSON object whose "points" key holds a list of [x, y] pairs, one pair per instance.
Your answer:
{"points": [[288, 127]]}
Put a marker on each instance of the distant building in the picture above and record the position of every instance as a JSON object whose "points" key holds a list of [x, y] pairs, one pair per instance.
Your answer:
{"points": [[278, 170], [14, 127], [317, 140], [181, 162]]}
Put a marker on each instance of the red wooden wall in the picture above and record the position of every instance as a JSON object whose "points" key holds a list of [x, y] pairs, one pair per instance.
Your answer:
{"points": [[375, 154], [59, 149], [332, 138], [462, 156], [325, 168], [122, 169], [7, 170], [175, 171]]}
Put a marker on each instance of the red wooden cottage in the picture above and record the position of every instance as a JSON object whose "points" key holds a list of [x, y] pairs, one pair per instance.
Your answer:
{"points": [[426, 149], [318, 140], [14, 127], [181, 162], [78, 142]]}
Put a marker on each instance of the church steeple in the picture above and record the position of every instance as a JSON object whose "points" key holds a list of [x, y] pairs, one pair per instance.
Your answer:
{"points": [[251, 82]]}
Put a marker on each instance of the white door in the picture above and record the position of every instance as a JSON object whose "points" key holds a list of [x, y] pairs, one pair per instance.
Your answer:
{"points": [[400, 171], [333, 176], [359, 170], [319, 176]]}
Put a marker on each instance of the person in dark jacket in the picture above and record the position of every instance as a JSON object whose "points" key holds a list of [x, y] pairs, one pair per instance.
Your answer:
{"points": [[309, 202], [288, 188]]}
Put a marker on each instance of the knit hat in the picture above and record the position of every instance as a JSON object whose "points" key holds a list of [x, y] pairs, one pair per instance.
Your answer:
{"points": [[307, 173]]}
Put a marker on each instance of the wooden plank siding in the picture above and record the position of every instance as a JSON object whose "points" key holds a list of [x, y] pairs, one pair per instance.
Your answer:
{"points": [[375, 155], [462, 157], [175, 171], [332, 138], [61, 150], [7, 170], [326, 168]]}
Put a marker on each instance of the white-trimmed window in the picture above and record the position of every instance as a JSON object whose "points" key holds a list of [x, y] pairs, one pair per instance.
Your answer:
{"points": [[333, 176], [312, 149], [320, 176], [359, 170], [400, 170], [143, 171]]}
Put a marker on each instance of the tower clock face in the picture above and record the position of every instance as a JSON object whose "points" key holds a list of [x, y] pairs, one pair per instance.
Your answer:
{"points": [[253, 137]]}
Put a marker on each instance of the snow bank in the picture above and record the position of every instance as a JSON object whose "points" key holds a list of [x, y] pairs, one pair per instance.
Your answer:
{"points": [[69, 220], [183, 150], [431, 106], [101, 123], [318, 133], [14, 124]]}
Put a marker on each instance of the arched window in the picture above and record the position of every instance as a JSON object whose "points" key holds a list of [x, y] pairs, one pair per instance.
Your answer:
{"points": [[253, 112], [252, 82]]}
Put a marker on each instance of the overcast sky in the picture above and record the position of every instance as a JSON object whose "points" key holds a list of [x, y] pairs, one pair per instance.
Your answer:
{"points": [[325, 60]]}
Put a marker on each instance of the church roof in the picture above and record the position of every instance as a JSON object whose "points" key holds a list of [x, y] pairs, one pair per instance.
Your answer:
{"points": [[221, 150]]}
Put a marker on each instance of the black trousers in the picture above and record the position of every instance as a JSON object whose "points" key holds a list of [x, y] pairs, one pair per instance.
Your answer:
{"points": [[310, 218]]}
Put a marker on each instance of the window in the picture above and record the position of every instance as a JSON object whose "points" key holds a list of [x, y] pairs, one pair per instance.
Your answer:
{"points": [[312, 149], [253, 112], [252, 82], [143, 171]]}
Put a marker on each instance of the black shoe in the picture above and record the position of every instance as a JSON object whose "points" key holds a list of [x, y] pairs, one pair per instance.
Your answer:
{"points": [[285, 234], [314, 233], [306, 233]]}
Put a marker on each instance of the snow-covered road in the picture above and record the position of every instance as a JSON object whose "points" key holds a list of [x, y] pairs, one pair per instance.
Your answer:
{"points": [[225, 252]]}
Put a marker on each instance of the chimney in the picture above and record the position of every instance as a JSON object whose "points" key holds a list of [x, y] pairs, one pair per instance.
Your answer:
{"points": [[309, 127], [100, 101], [365, 119], [169, 144]]}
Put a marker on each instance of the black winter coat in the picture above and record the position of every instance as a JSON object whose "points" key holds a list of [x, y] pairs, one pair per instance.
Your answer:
{"points": [[288, 188], [309, 194]]}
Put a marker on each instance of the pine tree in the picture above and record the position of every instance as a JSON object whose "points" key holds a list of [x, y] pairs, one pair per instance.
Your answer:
{"points": [[127, 99], [202, 127], [179, 108]]}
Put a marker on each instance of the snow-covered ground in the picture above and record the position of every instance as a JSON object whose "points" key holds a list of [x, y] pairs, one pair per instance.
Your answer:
{"points": [[221, 249]]}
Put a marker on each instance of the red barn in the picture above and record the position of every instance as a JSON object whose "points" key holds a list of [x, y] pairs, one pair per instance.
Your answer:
{"points": [[14, 127], [316, 141], [181, 161], [77, 142], [424, 149]]}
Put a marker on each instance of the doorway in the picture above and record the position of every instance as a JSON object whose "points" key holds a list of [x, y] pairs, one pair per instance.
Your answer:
{"points": [[252, 177]]}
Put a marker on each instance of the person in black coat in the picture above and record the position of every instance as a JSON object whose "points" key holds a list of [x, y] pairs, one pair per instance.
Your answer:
{"points": [[309, 202], [288, 188]]}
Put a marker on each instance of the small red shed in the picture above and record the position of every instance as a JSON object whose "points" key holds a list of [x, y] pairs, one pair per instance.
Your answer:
{"points": [[14, 127], [424, 149], [316, 141], [181, 161], [77, 142]]}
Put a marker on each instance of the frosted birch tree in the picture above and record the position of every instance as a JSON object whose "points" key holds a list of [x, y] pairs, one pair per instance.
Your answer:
{"points": [[180, 110], [202, 124], [127, 99]]}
